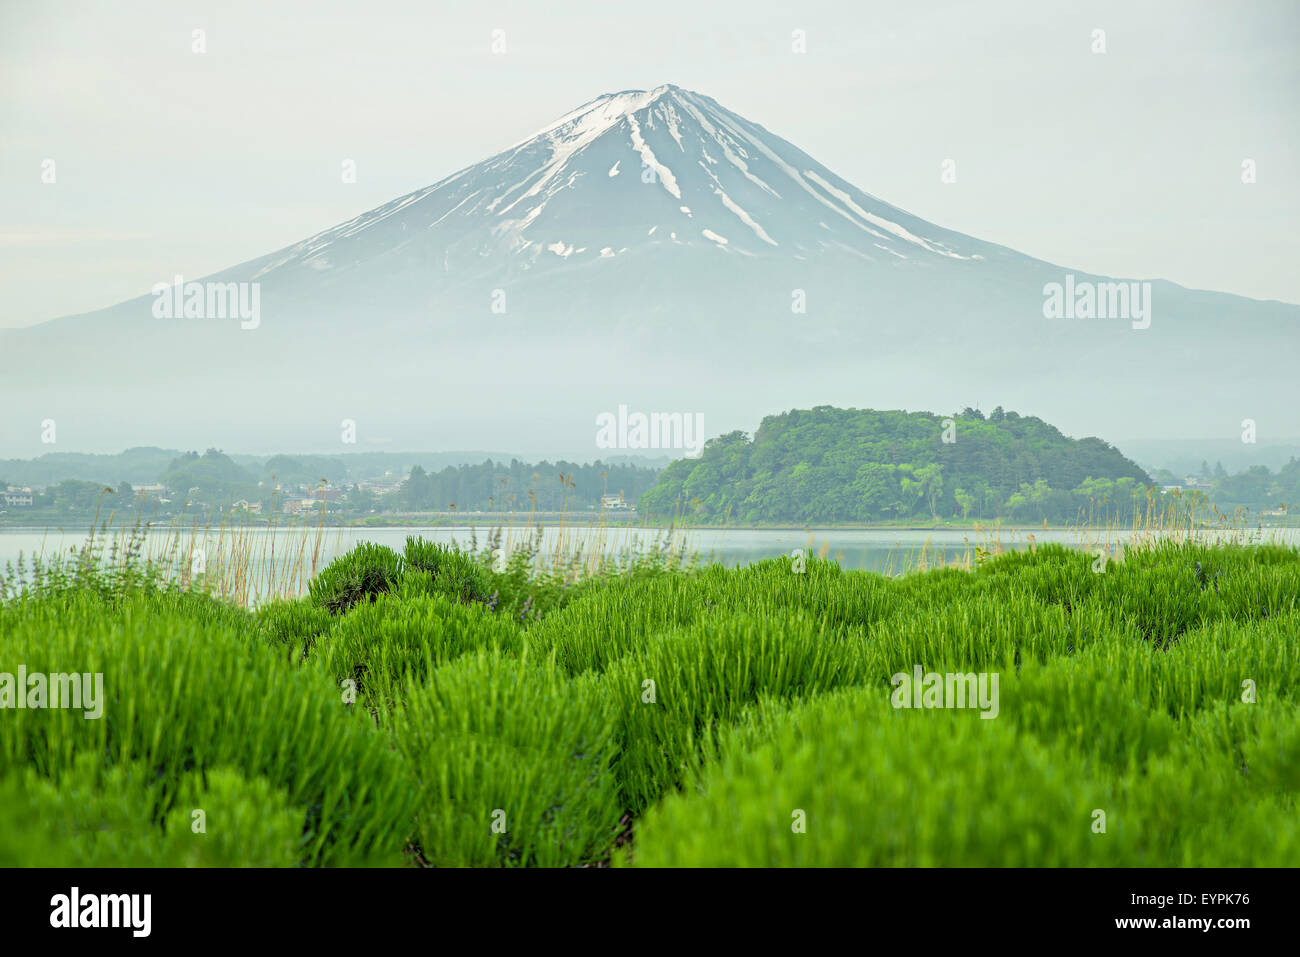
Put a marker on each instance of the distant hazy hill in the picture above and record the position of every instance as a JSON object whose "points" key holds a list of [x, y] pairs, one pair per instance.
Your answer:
{"points": [[860, 465], [1186, 457], [140, 466], [212, 472], [147, 466]]}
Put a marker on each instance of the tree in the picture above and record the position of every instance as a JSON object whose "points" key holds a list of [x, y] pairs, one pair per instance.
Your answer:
{"points": [[415, 490], [965, 500], [931, 479]]}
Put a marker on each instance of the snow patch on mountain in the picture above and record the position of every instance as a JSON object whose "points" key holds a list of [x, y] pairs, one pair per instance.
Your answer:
{"points": [[648, 159], [894, 228]]}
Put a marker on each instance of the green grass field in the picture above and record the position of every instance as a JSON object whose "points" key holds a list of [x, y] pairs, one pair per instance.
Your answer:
{"points": [[423, 709]]}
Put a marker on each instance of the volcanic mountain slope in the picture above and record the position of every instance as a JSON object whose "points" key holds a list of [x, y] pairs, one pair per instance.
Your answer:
{"points": [[575, 192], [652, 247]]}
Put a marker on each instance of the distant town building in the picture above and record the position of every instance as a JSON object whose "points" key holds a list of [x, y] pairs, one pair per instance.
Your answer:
{"points": [[16, 497], [610, 502]]}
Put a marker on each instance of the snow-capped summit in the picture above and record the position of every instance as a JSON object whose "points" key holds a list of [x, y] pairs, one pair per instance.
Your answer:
{"points": [[626, 171]]}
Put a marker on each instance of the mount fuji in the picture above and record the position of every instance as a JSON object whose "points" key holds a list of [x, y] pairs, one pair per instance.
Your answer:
{"points": [[650, 248], [574, 192]]}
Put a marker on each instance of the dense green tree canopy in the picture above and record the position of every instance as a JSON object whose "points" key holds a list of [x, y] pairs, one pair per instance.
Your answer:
{"points": [[859, 465], [518, 486], [213, 473]]}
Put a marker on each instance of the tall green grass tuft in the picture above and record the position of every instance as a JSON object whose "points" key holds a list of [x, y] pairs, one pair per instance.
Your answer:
{"points": [[406, 635], [293, 625], [846, 780], [119, 816], [366, 571], [674, 694], [513, 763], [188, 690], [453, 572]]}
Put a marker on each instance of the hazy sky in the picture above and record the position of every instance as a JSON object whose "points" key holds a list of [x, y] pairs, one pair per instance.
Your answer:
{"points": [[167, 161]]}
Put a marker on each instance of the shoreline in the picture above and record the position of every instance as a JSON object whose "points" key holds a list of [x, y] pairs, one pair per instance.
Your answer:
{"points": [[86, 528]]}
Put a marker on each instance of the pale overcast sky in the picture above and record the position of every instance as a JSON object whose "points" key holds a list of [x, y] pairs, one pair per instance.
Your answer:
{"points": [[1126, 163]]}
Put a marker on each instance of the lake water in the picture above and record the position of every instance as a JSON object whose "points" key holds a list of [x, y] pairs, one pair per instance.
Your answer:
{"points": [[295, 552]]}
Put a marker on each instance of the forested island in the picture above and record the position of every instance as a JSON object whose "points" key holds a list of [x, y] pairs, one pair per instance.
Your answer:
{"points": [[829, 465]]}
